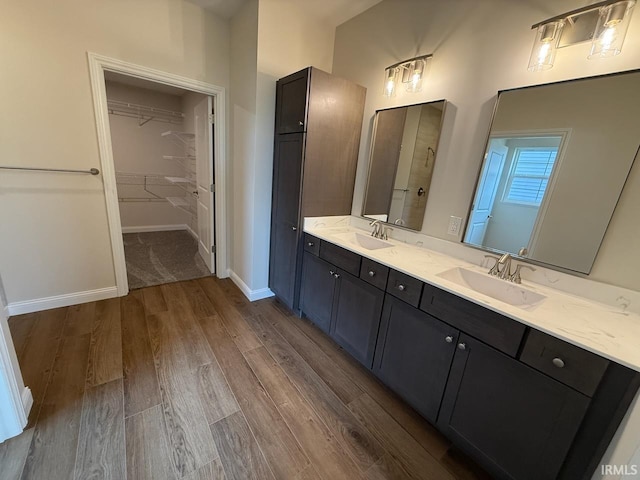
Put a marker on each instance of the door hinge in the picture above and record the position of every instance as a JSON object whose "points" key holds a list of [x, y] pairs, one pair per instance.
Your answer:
{"points": [[212, 188], [212, 118], [213, 249]]}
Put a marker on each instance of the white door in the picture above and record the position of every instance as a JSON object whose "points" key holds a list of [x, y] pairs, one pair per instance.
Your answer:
{"points": [[486, 193], [13, 415], [204, 180]]}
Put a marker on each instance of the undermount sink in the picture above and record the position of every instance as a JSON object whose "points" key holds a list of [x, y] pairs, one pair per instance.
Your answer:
{"points": [[365, 241], [502, 290]]}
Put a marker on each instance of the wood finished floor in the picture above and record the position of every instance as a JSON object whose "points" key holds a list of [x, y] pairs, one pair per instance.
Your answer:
{"points": [[190, 380]]}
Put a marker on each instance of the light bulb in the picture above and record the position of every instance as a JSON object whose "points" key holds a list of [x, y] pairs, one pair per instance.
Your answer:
{"points": [[390, 75], [545, 45], [611, 29], [415, 80]]}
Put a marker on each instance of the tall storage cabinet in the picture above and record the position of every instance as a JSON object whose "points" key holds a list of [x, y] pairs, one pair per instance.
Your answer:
{"points": [[317, 136]]}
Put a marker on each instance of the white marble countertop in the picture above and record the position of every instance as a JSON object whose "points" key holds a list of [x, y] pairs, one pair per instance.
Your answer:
{"points": [[609, 331]]}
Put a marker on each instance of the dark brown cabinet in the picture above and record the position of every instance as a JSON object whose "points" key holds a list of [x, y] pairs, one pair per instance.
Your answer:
{"points": [[284, 220], [291, 106], [318, 286], [317, 137], [414, 355], [356, 317], [342, 305], [524, 404], [517, 421]]}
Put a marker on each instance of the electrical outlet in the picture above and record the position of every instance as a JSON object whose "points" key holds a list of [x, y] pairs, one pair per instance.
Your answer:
{"points": [[454, 225]]}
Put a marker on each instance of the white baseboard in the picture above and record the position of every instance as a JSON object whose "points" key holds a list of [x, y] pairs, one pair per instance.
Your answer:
{"points": [[155, 228], [193, 234], [27, 401], [252, 295], [29, 306]]}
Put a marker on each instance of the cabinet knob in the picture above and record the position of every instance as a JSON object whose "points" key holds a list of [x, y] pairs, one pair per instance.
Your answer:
{"points": [[462, 346], [448, 339], [300, 122], [294, 228], [310, 244], [372, 273], [401, 287], [558, 362], [336, 275]]}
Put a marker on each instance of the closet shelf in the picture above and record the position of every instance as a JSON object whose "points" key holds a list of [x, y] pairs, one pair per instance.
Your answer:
{"points": [[144, 113], [178, 201], [183, 138], [180, 180], [178, 157]]}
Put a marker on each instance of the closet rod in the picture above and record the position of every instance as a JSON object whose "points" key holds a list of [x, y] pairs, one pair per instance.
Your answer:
{"points": [[92, 171]]}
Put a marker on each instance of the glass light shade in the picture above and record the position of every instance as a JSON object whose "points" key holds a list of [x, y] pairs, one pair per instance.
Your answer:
{"points": [[415, 72], [390, 82], [544, 48], [611, 29]]}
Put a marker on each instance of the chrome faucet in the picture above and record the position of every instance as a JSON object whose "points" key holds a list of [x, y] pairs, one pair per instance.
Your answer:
{"points": [[385, 233], [505, 272], [495, 269], [502, 268], [376, 232]]}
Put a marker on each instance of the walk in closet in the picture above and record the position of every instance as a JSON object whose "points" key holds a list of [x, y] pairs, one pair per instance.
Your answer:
{"points": [[162, 142]]}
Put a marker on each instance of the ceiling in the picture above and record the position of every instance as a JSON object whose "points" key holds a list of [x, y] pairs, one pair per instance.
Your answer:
{"points": [[332, 12]]}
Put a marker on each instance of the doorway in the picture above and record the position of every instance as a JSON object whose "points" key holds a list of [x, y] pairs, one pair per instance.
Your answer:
{"points": [[165, 202]]}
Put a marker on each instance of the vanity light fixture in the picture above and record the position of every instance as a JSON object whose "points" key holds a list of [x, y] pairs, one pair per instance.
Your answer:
{"points": [[410, 72], [604, 24]]}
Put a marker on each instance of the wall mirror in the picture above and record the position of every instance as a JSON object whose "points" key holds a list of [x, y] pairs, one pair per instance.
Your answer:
{"points": [[404, 147], [556, 161]]}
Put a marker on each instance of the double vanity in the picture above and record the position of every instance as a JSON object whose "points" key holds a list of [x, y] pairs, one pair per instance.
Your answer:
{"points": [[530, 381], [510, 373]]}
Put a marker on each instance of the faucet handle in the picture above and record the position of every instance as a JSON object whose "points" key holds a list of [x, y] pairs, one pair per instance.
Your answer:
{"points": [[515, 277], [494, 269], [385, 232]]}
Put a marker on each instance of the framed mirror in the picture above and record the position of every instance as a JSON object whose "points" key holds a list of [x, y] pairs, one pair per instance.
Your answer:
{"points": [[404, 147], [556, 161]]}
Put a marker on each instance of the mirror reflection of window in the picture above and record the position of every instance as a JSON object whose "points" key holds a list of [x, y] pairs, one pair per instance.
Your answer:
{"points": [[516, 180]]}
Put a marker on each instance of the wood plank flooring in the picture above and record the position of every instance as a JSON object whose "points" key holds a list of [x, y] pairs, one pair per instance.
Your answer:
{"points": [[192, 381]]}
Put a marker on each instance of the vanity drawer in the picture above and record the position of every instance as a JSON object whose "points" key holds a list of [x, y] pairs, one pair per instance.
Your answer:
{"points": [[374, 273], [404, 287], [341, 258], [311, 244], [567, 363], [486, 325]]}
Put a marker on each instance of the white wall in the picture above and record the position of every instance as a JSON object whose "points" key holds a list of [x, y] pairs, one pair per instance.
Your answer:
{"points": [[288, 39], [140, 149], [244, 54], [55, 224], [479, 48]]}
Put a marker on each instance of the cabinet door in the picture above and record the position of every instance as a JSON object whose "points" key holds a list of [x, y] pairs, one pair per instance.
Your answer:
{"points": [[414, 354], [284, 217], [291, 103], [356, 317], [516, 421], [318, 285]]}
